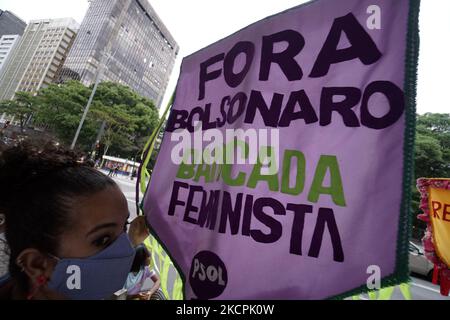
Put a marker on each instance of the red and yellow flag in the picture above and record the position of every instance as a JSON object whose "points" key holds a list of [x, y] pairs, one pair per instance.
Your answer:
{"points": [[436, 207]]}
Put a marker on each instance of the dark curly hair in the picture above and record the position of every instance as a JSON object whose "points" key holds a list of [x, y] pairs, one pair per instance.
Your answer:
{"points": [[141, 256], [38, 186]]}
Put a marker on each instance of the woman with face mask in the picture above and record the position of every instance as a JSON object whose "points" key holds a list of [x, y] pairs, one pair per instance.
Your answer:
{"points": [[65, 226]]}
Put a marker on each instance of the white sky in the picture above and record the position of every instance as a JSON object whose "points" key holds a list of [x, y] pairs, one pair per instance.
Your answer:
{"points": [[198, 23]]}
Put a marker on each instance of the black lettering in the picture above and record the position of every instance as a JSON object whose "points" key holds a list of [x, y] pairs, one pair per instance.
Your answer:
{"points": [[298, 224], [174, 198], [190, 123], [233, 215], [247, 218], [208, 210], [189, 206], [285, 59], [269, 115], [396, 105], [306, 112], [327, 105], [177, 120], [235, 79], [274, 225], [361, 46], [221, 122], [326, 217], [206, 125], [240, 99], [206, 76]]}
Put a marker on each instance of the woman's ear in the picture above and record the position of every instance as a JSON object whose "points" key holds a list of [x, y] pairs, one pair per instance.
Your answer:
{"points": [[35, 264]]}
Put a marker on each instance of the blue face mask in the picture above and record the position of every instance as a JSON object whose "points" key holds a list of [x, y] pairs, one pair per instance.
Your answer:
{"points": [[97, 277]]}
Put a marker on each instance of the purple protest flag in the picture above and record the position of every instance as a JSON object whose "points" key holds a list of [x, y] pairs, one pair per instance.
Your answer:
{"points": [[323, 211]]}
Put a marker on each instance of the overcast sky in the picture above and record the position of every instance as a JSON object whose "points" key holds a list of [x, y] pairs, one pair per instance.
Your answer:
{"points": [[198, 23]]}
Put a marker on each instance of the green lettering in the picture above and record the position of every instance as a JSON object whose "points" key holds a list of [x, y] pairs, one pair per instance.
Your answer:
{"points": [[300, 177], [186, 171], [204, 170], [335, 189], [256, 176]]}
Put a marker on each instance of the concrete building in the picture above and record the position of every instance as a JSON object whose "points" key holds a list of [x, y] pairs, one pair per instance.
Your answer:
{"points": [[7, 45], [11, 24], [129, 39], [38, 57]]}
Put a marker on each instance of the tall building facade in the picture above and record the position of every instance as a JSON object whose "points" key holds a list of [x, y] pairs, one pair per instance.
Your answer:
{"points": [[129, 42], [38, 57], [11, 24], [7, 45]]}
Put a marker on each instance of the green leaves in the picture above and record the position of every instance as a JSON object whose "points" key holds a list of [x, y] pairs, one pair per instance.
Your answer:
{"points": [[22, 107], [432, 157], [60, 109], [432, 154], [129, 118]]}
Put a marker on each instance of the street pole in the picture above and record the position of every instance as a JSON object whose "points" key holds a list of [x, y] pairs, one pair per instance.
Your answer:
{"points": [[86, 110], [97, 140]]}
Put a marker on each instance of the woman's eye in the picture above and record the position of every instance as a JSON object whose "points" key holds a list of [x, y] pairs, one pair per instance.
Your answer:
{"points": [[103, 241]]}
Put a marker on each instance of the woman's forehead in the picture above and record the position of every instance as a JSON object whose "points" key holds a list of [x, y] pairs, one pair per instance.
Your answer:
{"points": [[108, 205]]}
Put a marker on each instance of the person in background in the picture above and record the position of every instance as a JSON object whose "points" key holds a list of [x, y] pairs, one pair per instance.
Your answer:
{"points": [[63, 220], [140, 272], [111, 171], [138, 230]]}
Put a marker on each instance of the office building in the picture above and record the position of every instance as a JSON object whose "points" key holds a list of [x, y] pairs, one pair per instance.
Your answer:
{"points": [[7, 45], [39, 55], [141, 52], [11, 24]]}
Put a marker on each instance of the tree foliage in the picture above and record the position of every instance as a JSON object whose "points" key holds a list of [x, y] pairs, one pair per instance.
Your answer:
{"points": [[432, 155], [128, 118], [21, 108]]}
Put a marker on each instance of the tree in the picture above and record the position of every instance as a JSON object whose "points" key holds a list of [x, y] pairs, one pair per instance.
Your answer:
{"points": [[128, 117], [432, 156], [21, 108], [119, 126], [60, 110]]}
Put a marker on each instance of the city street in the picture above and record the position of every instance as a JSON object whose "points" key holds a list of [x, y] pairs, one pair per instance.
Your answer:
{"points": [[128, 188], [420, 290], [423, 290]]}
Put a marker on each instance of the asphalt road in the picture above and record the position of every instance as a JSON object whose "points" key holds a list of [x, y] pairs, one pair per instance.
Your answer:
{"points": [[421, 289], [128, 188], [424, 290]]}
